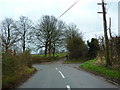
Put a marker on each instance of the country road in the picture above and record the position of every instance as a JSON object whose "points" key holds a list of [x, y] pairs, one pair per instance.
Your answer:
{"points": [[58, 75]]}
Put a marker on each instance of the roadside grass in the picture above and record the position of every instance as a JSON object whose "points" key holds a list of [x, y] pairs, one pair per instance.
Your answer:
{"points": [[73, 61], [91, 66], [29, 70], [60, 54]]}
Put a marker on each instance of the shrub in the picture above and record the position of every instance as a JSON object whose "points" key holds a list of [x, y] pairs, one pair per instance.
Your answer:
{"points": [[15, 63], [77, 48]]}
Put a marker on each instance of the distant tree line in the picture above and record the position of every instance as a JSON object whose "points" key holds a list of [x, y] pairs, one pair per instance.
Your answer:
{"points": [[47, 33], [23, 33], [15, 33]]}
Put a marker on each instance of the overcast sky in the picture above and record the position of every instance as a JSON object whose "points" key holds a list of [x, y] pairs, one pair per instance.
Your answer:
{"points": [[83, 14]]}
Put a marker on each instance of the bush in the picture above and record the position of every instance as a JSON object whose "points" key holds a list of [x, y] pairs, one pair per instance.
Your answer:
{"points": [[77, 48], [9, 64], [114, 52], [12, 64], [93, 48], [15, 68]]}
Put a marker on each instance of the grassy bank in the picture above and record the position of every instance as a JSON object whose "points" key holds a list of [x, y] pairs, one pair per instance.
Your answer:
{"points": [[13, 81], [16, 69], [91, 66]]}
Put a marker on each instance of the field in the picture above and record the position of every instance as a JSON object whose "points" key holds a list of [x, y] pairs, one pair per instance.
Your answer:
{"points": [[42, 58], [56, 55]]}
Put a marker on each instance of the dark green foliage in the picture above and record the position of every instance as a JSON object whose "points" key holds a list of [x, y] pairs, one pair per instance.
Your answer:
{"points": [[74, 42], [93, 48], [76, 47]]}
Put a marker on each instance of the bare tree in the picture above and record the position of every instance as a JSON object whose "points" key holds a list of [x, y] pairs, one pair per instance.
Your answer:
{"points": [[45, 28], [74, 43], [57, 40], [25, 27], [10, 34], [71, 31], [49, 31]]}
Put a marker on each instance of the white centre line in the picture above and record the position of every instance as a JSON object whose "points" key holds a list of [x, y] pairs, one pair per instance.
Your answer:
{"points": [[61, 74], [68, 87], [56, 68]]}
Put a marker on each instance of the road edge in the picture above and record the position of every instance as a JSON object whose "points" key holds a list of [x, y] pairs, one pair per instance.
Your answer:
{"points": [[100, 76]]}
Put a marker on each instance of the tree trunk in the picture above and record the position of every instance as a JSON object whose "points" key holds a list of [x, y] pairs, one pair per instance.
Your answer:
{"points": [[49, 50], [8, 35], [14, 52], [8, 40], [46, 46], [24, 39], [23, 45], [6, 49], [53, 49]]}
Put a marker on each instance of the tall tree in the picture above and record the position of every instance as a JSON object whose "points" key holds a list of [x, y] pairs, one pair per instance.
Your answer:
{"points": [[10, 34], [57, 40], [25, 27], [47, 32], [75, 44], [71, 31], [76, 47]]}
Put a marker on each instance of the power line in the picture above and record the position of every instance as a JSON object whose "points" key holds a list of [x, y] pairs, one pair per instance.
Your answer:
{"points": [[69, 8]]}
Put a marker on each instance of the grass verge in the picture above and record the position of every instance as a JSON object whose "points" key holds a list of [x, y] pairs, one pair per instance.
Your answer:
{"points": [[107, 72], [14, 81]]}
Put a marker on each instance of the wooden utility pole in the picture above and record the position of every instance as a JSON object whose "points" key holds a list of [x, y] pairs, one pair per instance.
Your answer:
{"points": [[111, 40], [110, 28], [105, 34]]}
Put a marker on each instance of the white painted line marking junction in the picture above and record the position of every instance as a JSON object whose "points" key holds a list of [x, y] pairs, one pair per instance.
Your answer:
{"points": [[61, 74]]}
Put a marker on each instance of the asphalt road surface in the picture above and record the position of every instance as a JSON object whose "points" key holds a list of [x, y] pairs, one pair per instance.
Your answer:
{"points": [[58, 75]]}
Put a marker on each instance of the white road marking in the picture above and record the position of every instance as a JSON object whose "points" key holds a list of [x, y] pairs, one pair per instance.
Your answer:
{"points": [[68, 87], [56, 68], [61, 74]]}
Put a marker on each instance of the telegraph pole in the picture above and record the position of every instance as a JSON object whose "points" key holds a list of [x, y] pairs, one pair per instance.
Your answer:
{"points": [[105, 33], [110, 40], [110, 27]]}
